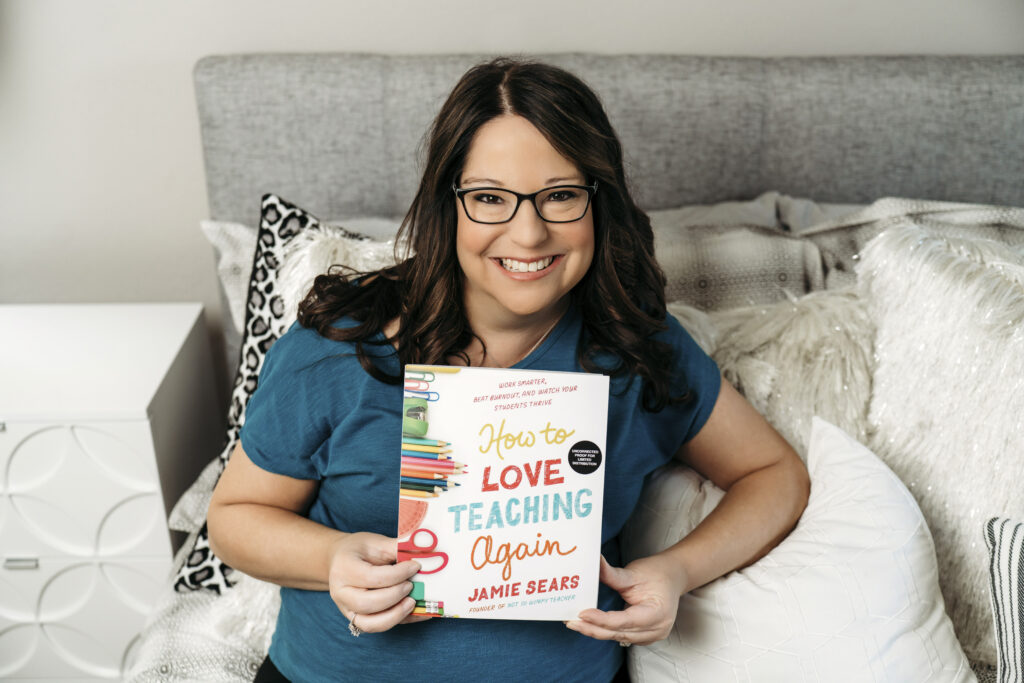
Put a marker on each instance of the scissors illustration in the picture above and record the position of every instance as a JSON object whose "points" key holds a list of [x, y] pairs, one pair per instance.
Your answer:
{"points": [[411, 550]]}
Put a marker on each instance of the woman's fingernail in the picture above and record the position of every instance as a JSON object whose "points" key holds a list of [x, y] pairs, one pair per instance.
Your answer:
{"points": [[574, 624]]}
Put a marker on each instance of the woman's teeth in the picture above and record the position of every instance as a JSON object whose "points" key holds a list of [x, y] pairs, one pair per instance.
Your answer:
{"points": [[524, 267]]}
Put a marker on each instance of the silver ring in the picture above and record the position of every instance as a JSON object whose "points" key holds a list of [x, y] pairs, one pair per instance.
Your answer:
{"points": [[624, 643], [353, 629]]}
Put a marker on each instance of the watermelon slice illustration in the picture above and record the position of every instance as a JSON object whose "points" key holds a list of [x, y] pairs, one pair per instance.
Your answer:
{"points": [[410, 515]]}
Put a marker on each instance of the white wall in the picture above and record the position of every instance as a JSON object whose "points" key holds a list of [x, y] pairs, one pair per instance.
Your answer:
{"points": [[101, 178]]}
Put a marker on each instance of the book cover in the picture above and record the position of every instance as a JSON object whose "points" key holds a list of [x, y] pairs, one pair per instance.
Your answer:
{"points": [[502, 485]]}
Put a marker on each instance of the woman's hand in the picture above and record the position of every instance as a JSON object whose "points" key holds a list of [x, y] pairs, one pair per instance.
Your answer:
{"points": [[651, 587], [371, 591]]}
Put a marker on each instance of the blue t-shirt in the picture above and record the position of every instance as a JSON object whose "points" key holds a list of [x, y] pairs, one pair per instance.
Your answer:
{"points": [[317, 414]]}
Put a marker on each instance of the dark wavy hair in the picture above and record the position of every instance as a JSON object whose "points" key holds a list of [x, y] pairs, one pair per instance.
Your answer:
{"points": [[622, 295]]}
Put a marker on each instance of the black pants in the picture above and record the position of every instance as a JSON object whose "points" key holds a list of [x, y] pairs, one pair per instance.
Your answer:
{"points": [[268, 673]]}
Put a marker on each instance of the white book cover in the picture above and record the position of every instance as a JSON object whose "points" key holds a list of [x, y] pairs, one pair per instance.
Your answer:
{"points": [[502, 485]]}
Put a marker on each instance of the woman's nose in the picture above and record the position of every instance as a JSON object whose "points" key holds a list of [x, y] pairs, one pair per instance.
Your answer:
{"points": [[527, 228]]}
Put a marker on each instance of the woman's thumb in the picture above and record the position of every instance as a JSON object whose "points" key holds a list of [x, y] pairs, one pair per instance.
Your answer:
{"points": [[614, 577]]}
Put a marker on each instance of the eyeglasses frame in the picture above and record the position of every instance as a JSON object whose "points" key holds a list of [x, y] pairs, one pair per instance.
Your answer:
{"points": [[461, 192]]}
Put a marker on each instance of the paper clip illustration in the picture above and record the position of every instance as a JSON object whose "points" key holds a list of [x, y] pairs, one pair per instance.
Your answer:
{"points": [[416, 385], [425, 395], [424, 375], [411, 550]]}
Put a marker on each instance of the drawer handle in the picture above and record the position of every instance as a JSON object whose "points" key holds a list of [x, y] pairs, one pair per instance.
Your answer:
{"points": [[21, 563]]}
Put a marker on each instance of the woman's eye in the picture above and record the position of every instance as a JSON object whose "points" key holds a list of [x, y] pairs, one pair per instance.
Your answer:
{"points": [[485, 198], [562, 196]]}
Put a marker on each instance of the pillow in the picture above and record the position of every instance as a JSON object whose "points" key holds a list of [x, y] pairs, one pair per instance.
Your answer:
{"points": [[1005, 542], [850, 595], [715, 267], [234, 245], [794, 359], [270, 311], [739, 253], [842, 239], [796, 214], [947, 410]]}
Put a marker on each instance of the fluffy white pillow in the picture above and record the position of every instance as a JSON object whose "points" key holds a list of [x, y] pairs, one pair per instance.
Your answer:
{"points": [[850, 595], [313, 252], [947, 407], [796, 359]]}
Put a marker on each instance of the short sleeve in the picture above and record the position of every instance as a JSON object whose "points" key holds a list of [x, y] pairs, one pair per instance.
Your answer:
{"points": [[694, 372], [288, 418]]}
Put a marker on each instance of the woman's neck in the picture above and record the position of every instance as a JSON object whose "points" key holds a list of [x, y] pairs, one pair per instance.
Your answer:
{"points": [[508, 340]]}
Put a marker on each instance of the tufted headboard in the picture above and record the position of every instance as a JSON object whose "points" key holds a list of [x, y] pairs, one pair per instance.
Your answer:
{"points": [[339, 133]]}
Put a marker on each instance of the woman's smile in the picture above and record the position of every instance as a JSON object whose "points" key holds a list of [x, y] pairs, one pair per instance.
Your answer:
{"points": [[528, 269]]}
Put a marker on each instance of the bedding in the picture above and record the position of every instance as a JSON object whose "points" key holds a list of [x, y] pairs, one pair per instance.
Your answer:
{"points": [[785, 356], [842, 239]]}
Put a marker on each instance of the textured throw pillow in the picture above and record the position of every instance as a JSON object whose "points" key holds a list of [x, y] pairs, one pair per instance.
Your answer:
{"points": [[794, 359], [270, 310], [715, 267], [841, 239], [1004, 539], [947, 408], [850, 595]]}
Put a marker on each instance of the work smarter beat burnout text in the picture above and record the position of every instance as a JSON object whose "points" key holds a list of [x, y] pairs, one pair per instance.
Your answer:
{"points": [[524, 393]]}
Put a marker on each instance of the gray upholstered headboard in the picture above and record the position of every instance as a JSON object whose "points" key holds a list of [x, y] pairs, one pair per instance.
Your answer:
{"points": [[339, 133]]}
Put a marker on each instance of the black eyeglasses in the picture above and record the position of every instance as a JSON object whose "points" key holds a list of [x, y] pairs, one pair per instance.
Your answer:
{"points": [[558, 204]]}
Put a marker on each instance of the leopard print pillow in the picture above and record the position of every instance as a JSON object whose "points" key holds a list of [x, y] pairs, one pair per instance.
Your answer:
{"points": [[265, 321]]}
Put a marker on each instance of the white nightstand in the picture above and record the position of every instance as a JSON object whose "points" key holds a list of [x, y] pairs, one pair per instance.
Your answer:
{"points": [[107, 414]]}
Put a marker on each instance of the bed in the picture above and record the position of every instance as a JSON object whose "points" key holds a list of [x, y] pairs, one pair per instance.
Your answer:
{"points": [[769, 181]]}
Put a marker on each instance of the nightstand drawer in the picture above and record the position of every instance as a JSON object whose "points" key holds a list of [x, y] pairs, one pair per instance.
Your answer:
{"points": [[86, 489], [72, 619]]}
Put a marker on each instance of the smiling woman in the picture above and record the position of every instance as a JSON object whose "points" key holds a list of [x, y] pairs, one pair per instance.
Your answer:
{"points": [[531, 253]]}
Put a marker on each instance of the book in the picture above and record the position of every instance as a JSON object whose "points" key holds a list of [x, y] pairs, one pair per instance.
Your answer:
{"points": [[502, 490]]}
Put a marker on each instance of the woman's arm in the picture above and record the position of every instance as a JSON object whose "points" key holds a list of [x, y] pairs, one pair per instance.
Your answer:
{"points": [[257, 525], [766, 486]]}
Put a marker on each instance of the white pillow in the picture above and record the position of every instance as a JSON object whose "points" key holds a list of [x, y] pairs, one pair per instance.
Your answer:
{"points": [[947, 406], [851, 594]]}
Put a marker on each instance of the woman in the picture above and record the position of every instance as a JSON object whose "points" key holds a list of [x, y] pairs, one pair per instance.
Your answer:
{"points": [[530, 252]]}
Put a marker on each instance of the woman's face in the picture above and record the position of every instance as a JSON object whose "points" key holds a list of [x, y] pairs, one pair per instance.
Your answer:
{"points": [[510, 153]]}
